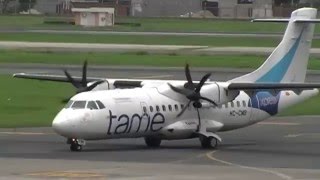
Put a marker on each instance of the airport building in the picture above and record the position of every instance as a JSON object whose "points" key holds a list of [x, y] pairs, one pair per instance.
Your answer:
{"points": [[176, 8]]}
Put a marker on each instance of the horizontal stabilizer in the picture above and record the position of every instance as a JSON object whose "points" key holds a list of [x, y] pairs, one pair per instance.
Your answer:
{"points": [[275, 86], [271, 20], [287, 20]]}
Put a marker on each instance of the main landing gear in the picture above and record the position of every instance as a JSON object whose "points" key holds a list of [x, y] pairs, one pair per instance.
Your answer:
{"points": [[152, 142], [76, 144], [209, 142]]}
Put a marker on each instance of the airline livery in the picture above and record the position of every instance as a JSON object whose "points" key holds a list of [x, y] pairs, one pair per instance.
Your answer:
{"points": [[166, 109]]}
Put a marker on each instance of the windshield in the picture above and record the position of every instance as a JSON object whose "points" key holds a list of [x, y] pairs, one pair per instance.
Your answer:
{"points": [[92, 105], [79, 105], [100, 104], [68, 105], [85, 104]]}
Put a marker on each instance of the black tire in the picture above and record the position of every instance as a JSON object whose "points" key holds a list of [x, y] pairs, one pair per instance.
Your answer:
{"points": [[152, 142], [75, 147], [208, 142]]}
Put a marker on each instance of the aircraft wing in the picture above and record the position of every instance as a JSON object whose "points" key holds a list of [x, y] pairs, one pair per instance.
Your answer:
{"points": [[117, 83], [272, 86], [49, 77]]}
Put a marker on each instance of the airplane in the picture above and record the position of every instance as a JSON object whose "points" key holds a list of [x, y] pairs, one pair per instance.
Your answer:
{"points": [[159, 110]]}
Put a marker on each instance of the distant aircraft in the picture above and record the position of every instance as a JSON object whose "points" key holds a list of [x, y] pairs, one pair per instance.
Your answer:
{"points": [[166, 110]]}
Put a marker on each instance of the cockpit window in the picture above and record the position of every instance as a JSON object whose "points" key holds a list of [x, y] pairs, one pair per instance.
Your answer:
{"points": [[100, 104], [68, 105], [92, 105], [79, 105]]}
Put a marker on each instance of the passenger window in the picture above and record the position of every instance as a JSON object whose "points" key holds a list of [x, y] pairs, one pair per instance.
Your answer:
{"points": [[163, 107], [170, 108], [176, 107], [79, 105], [100, 104], [92, 105], [232, 104], [238, 103], [144, 109], [151, 109], [157, 108], [68, 105], [244, 103]]}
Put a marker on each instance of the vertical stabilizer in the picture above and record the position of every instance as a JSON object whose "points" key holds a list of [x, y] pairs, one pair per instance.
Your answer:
{"points": [[288, 62]]}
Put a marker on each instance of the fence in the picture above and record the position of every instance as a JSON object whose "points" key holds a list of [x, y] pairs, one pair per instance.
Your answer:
{"points": [[161, 8]]}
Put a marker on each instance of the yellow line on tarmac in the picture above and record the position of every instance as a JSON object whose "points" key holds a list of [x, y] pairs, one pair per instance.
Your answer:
{"points": [[67, 174], [278, 174]]}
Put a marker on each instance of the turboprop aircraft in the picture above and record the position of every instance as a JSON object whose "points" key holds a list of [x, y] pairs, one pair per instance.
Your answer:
{"points": [[167, 110]]}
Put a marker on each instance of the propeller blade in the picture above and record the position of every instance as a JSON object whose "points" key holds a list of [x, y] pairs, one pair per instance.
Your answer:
{"points": [[84, 74], [185, 92], [202, 81], [209, 100], [190, 84], [92, 86], [184, 109], [71, 80]]}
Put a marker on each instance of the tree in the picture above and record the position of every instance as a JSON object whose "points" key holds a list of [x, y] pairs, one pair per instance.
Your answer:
{"points": [[4, 5], [25, 5]]}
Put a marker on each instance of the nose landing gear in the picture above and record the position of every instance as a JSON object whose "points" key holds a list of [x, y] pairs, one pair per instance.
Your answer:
{"points": [[76, 144], [209, 140]]}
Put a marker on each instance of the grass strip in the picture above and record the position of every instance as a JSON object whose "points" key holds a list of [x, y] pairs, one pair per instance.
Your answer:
{"points": [[140, 39], [27, 103]]}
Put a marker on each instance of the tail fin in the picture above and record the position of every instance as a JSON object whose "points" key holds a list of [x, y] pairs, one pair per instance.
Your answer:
{"points": [[288, 62]]}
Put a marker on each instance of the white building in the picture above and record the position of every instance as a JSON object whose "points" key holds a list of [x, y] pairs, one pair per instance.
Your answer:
{"points": [[245, 8], [94, 16]]}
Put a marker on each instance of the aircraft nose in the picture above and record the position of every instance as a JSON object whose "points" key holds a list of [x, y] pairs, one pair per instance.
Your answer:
{"points": [[62, 125]]}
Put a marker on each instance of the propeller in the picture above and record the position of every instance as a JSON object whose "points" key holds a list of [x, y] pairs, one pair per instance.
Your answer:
{"points": [[192, 91], [81, 86]]}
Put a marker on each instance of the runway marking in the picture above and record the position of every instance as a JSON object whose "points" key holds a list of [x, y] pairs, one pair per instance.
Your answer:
{"points": [[67, 174], [279, 123], [25, 133], [151, 77], [302, 134], [281, 175]]}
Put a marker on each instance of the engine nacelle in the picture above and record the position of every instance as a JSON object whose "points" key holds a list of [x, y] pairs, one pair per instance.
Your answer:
{"points": [[103, 86], [219, 92]]}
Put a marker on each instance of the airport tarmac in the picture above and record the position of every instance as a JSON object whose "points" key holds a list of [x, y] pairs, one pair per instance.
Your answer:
{"points": [[125, 48], [280, 148]]}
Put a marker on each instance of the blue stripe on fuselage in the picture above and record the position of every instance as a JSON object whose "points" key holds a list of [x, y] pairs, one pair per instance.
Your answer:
{"points": [[265, 101]]}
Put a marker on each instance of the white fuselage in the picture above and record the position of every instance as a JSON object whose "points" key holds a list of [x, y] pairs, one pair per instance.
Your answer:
{"points": [[142, 112]]}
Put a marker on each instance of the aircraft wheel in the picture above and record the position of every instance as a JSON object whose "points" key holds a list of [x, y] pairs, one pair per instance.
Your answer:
{"points": [[152, 142], [75, 147], [208, 142]]}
